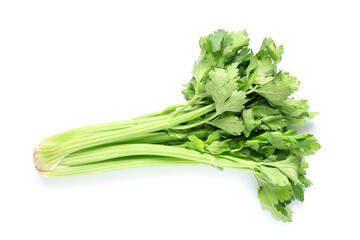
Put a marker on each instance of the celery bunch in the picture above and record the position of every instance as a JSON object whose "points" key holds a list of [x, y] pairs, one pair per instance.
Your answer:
{"points": [[238, 115]]}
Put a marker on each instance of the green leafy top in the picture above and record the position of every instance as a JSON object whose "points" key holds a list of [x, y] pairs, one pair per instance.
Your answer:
{"points": [[254, 111]]}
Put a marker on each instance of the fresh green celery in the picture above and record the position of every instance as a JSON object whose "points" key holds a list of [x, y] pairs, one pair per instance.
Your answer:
{"points": [[239, 115]]}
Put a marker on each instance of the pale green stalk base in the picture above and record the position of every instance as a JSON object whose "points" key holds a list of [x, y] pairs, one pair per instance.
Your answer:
{"points": [[126, 156], [54, 149]]}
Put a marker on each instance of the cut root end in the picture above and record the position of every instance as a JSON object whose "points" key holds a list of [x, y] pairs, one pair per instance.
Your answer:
{"points": [[37, 165]]}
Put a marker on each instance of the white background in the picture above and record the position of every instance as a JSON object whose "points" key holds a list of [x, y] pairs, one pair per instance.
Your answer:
{"points": [[66, 64]]}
